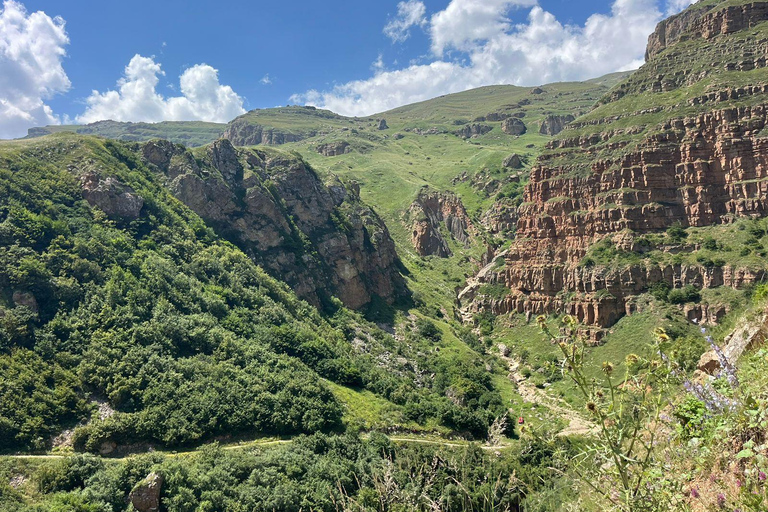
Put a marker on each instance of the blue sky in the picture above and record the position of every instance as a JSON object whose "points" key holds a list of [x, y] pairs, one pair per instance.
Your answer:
{"points": [[355, 57]]}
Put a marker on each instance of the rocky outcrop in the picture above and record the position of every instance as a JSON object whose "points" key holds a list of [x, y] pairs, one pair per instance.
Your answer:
{"points": [[473, 130], [432, 211], [117, 200], [747, 336], [496, 116], [513, 126], [513, 161], [552, 125], [669, 31], [145, 497], [242, 132], [705, 22], [317, 237], [334, 148], [383, 124]]}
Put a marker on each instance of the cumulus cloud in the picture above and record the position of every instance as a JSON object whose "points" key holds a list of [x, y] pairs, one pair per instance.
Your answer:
{"points": [[266, 80], [409, 14], [675, 6], [465, 22], [493, 50], [203, 98], [31, 52]]}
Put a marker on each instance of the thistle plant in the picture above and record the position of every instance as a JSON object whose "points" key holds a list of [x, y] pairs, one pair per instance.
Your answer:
{"points": [[619, 464]]}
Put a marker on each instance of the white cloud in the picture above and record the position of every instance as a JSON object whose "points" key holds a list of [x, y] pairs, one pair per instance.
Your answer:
{"points": [[465, 22], [541, 50], [203, 97], [675, 6], [31, 51], [266, 80], [409, 14]]}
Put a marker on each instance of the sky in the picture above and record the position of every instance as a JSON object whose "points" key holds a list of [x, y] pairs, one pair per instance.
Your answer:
{"points": [[83, 61]]}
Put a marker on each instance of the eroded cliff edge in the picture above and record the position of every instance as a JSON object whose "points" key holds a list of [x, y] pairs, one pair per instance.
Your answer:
{"points": [[316, 236]]}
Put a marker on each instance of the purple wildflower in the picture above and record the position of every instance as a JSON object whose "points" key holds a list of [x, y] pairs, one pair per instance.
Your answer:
{"points": [[725, 364], [694, 492], [761, 476], [721, 500]]}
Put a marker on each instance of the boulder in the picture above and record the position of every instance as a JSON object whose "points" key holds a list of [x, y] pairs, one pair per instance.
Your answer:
{"points": [[25, 299], [145, 497], [537, 90], [552, 125], [513, 126], [383, 124], [513, 161]]}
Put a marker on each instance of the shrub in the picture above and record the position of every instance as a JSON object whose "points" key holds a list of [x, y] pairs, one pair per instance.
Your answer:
{"points": [[676, 232], [428, 330], [684, 295]]}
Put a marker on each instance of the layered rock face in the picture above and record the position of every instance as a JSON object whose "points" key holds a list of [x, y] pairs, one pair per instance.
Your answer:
{"points": [[429, 212], [705, 22], [243, 133], [618, 176], [318, 237]]}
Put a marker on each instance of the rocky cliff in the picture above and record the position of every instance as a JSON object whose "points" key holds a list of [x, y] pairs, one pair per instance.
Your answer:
{"points": [[694, 154], [434, 213], [318, 237], [243, 133], [275, 126]]}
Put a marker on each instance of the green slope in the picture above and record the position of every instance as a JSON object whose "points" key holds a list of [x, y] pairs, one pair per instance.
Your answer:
{"points": [[189, 133], [180, 333]]}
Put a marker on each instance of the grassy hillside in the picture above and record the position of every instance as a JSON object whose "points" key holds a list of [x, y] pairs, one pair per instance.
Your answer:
{"points": [[189, 133]]}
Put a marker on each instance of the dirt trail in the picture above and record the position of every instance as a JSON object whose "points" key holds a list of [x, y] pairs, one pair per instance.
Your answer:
{"points": [[259, 443], [577, 425]]}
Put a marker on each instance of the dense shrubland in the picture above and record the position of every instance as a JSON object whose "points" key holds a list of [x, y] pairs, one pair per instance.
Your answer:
{"points": [[181, 334], [317, 472]]}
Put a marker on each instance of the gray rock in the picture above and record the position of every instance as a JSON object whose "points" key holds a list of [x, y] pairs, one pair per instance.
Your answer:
{"points": [[145, 497], [513, 126], [383, 124], [473, 130], [111, 196], [25, 299], [552, 125], [513, 161], [334, 148]]}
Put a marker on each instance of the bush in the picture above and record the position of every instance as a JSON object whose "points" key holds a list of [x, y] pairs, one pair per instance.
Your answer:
{"points": [[684, 295], [660, 291], [676, 232], [428, 330]]}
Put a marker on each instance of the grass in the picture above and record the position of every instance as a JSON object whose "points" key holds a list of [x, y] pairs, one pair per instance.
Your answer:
{"points": [[189, 133], [367, 411]]}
